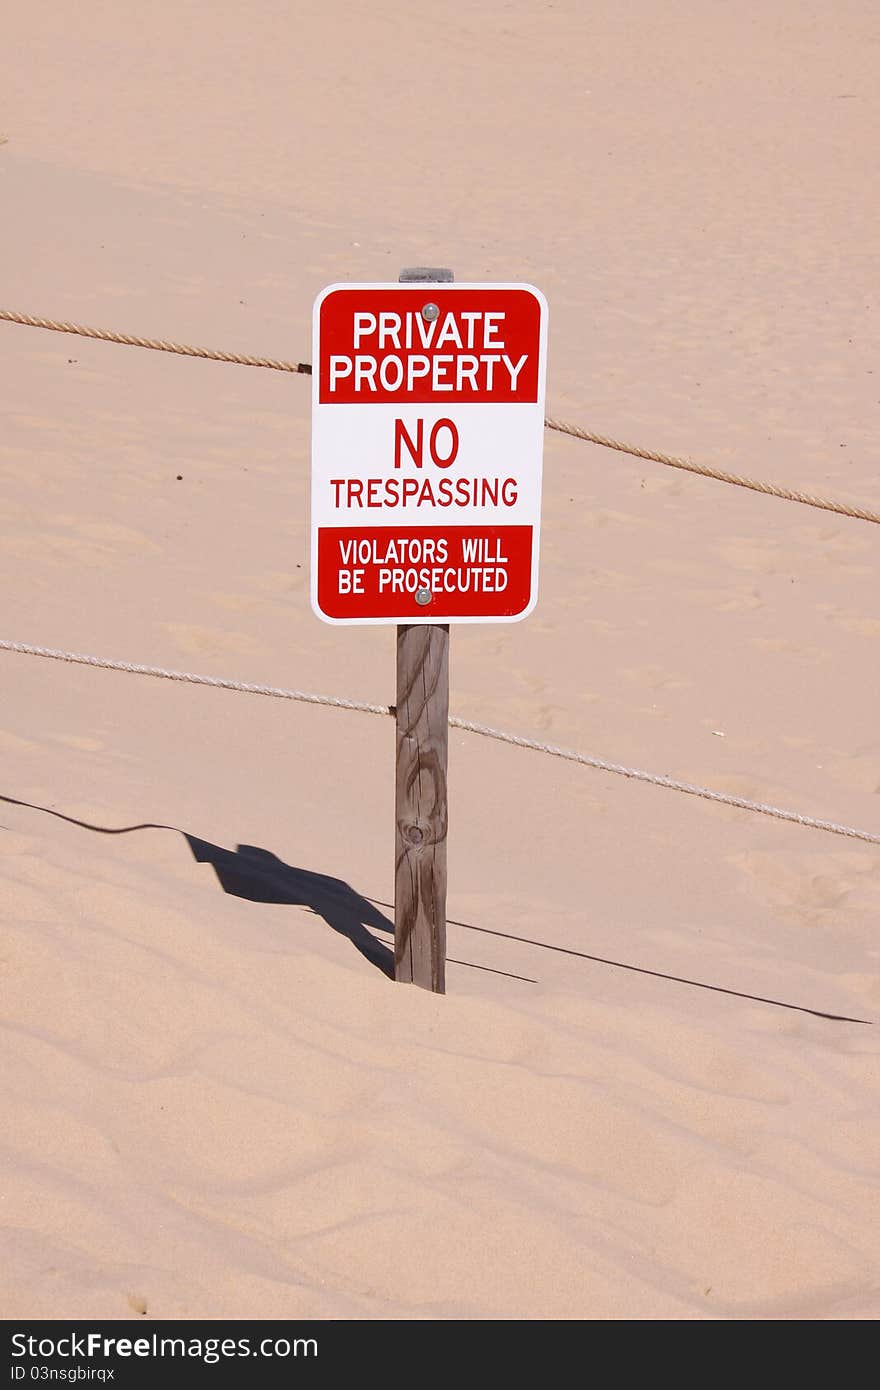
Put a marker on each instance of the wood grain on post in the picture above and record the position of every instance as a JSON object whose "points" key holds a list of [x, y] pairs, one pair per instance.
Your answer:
{"points": [[420, 802], [421, 806]]}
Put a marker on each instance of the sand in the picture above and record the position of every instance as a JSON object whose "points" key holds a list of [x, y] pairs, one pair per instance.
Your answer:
{"points": [[214, 1104]]}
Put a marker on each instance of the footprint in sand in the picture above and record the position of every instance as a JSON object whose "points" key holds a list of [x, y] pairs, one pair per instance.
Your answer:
{"points": [[850, 622], [744, 553], [741, 601], [805, 888], [205, 641]]}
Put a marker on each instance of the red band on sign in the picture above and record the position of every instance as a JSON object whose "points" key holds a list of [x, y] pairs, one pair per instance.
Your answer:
{"points": [[378, 346], [469, 571]]}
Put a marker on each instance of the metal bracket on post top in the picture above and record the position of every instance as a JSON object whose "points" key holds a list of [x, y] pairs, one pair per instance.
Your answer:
{"points": [[425, 275]]}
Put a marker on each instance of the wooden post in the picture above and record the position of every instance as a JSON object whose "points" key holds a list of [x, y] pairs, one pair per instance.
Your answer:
{"points": [[421, 812]]}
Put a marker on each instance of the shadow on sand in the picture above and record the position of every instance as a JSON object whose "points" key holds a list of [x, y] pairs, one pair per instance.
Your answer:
{"points": [[261, 877]]}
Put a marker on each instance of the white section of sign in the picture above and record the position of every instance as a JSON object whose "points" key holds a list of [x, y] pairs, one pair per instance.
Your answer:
{"points": [[498, 457]]}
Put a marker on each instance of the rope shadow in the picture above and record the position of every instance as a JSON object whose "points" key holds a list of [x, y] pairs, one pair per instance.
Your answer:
{"points": [[656, 974]]}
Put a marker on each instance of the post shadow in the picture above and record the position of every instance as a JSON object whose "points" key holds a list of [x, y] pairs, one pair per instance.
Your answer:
{"points": [[261, 877]]}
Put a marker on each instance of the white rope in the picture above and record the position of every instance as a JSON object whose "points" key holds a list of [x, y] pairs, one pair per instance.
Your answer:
{"points": [[218, 682], [484, 730], [656, 779]]}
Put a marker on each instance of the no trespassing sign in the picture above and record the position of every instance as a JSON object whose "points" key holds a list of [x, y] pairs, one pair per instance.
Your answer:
{"points": [[427, 443]]}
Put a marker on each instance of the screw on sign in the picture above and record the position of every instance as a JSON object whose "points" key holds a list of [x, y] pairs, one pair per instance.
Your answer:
{"points": [[427, 446]]}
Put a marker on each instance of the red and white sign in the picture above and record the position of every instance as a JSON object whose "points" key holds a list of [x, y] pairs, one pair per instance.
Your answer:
{"points": [[427, 441]]}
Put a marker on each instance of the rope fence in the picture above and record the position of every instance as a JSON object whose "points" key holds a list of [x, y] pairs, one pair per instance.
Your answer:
{"points": [[467, 725], [561, 426], [788, 494], [106, 335]]}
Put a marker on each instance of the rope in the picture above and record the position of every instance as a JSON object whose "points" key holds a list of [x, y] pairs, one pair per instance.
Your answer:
{"points": [[705, 471], [656, 779], [157, 344], [485, 730], [575, 431], [218, 682]]}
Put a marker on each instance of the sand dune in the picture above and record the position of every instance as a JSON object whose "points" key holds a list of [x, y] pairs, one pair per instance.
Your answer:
{"points": [[651, 1091]]}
